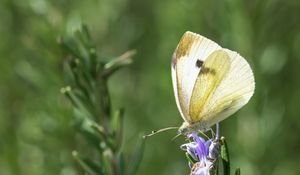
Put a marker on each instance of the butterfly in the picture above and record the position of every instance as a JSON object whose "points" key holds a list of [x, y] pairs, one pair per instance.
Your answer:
{"points": [[210, 83]]}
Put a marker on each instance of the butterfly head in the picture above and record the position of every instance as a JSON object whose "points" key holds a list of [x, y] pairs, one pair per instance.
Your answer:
{"points": [[187, 128], [184, 129]]}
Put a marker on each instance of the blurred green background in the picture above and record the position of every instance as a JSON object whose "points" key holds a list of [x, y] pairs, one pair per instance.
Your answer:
{"points": [[36, 133]]}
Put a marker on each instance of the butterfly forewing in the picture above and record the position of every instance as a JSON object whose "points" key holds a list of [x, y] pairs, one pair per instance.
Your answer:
{"points": [[187, 60]]}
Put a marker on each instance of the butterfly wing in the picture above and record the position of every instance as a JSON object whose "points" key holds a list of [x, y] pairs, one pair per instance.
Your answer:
{"points": [[219, 94], [213, 71], [190, 53]]}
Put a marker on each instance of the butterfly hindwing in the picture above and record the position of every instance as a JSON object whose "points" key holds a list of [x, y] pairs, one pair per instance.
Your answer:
{"points": [[232, 92], [213, 71]]}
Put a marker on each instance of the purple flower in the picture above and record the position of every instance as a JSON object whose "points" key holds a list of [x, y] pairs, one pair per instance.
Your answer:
{"points": [[203, 152]]}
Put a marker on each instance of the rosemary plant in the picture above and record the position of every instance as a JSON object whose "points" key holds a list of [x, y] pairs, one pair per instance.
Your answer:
{"points": [[87, 89]]}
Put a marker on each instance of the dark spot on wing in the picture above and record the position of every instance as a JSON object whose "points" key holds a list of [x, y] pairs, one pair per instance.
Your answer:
{"points": [[199, 63], [207, 70]]}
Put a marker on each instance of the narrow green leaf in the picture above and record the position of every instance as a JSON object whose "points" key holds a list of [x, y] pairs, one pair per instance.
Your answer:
{"points": [[82, 47], [117, 127], [90, 138], [97, 128], [82, 76], [68, 74], [89, 45], [69, 45], [93, 133], [77, 100], [82, 79], [121, 163], [86, 37], [89, 166], [225, 156], [107, 162], [86, 33], [237, 171], [218, 166], [136, 157], [114, 65], [102, 99]]}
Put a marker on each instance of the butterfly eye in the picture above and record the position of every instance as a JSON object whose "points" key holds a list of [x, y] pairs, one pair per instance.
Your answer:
{"points": [[199, 63]]}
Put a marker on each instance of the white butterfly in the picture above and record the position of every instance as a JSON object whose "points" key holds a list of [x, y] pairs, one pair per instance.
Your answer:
{"points": [[210, 82]]}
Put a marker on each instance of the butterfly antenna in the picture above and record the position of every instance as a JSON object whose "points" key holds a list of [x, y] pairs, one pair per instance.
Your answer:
{"points": [[158, 131]]}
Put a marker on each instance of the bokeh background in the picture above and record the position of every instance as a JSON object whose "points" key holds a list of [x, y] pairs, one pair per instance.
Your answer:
{"points": [[36, 133]]}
